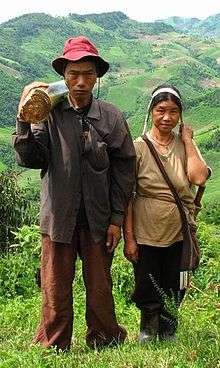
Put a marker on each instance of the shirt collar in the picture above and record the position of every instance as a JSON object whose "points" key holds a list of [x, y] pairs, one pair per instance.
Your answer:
{"points": [[93, 113]]}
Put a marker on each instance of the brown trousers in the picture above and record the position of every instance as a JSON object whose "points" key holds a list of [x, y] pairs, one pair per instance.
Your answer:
{"points": [[57, 275]]}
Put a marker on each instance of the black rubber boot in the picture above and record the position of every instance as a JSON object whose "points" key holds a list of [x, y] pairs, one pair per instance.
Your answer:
{"points": [[167, 327], [149, 326]]}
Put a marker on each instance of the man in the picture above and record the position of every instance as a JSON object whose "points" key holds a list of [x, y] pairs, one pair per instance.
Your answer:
{"points": [[87, 159]]}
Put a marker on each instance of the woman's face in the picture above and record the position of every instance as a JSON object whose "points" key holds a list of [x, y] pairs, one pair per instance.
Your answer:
{"points": [[165, 116]]}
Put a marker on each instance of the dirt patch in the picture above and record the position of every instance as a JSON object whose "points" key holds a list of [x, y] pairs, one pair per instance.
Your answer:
{"points": [[208, 83], [10, 71]]}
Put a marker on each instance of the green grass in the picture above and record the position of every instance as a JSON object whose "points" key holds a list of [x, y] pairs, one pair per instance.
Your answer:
{"points": [[30, 177], [198, 337], [2, 166], [5, 134], [203, 116], [213, 184], [197, 345]]}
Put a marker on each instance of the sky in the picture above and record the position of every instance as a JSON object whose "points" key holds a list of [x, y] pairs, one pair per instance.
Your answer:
{"points": [[140, 10]]}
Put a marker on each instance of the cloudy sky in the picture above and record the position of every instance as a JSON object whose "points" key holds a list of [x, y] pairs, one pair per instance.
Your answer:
{"points": [[141, 10]]}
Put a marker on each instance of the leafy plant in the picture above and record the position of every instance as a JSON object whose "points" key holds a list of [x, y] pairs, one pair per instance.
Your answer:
{"points": [[19, 265], [15, 209]]}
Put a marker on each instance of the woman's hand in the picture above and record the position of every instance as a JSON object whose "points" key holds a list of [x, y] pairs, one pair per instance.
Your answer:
{"points": [[131, 250], [186, 132]]}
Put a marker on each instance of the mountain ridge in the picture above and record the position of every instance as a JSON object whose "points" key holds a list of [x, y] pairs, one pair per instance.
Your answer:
{"points": [[141, 56]]}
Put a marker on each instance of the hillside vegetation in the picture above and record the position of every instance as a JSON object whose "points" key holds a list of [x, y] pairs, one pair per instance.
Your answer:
{"points": [[141, 55]]}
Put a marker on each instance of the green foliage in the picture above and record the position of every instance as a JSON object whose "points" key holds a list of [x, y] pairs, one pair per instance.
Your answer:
{"points": [[15, 208], [212, 142], [109, 21], [19, 265], [211, 212], [122, 274], [7, 155], [198, 314], [207, 275], [151, 51], [208, 27]]}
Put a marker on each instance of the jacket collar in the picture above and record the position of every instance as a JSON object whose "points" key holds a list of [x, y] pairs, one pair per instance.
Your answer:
{"points": [[94, 111]]}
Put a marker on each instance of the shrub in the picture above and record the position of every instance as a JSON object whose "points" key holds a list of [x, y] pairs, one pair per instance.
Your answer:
{"points": [[19, 265], [207, 276], [211, 212], [15, 208]]}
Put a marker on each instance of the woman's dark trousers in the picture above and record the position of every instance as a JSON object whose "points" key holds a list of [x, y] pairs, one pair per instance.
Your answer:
{"points": [[157, 294]]}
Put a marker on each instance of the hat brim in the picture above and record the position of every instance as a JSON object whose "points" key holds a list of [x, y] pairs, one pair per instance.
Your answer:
{"points": [[59, 63]]}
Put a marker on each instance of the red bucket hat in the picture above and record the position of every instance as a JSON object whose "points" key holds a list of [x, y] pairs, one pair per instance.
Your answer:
{"points": [[77, 48]]}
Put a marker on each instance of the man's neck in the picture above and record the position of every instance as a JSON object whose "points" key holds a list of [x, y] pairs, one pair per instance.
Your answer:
{"points": [[80, 103]]}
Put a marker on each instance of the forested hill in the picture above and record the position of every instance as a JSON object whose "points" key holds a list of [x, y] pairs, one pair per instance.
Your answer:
{"points": [[141, 55], [209, 27]]}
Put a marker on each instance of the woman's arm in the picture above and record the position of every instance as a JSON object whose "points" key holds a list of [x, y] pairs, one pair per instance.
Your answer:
{"points": [[130, 245], [197, 170]]}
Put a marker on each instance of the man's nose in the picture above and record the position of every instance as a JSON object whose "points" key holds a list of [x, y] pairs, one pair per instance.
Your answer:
{"points": [[81, 79]]}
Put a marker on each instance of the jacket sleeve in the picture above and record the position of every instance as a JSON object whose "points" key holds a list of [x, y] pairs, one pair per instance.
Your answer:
{"points": [[122, 170], [31, 143]]}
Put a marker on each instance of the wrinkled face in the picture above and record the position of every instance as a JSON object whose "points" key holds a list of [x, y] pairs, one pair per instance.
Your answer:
{"points": [[165, 116], [80, 78]]}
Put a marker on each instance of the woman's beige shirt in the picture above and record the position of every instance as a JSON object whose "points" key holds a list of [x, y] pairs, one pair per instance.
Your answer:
{"points": [[157, 220]]}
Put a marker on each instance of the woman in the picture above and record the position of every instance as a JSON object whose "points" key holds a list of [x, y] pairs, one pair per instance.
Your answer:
{"points": [[152, 227]]}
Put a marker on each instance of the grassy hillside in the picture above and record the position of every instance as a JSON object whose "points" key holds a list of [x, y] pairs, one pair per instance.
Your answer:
{"points": [[209, 27], [141, 55]]}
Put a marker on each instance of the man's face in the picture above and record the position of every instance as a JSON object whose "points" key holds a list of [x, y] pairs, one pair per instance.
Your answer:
{"points": [[80, 78]]}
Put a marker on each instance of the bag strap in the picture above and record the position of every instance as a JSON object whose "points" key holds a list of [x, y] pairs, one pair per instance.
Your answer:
{"points": [[173, 190]]}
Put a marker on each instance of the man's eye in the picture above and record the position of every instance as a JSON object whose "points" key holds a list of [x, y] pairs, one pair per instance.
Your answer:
{"points": [[72, 74]]}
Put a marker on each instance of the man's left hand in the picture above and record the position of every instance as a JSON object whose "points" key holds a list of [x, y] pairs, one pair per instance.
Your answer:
{"points": [[113, 237]]}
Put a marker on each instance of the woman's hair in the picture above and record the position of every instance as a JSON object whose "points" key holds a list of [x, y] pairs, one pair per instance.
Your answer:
{"points": [[164, 96]]}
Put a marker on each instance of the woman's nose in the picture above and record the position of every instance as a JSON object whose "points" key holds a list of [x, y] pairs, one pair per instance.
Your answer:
{"points": [[166, 116]]}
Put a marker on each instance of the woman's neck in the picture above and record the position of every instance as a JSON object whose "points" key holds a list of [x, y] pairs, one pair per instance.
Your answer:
{"points": [[164, 138]]}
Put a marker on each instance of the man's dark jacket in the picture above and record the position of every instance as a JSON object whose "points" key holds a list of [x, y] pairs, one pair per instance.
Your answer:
{"points": [[98, 169]]}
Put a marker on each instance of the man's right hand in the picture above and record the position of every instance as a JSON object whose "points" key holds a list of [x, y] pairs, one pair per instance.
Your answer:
{"points": [[131, 250], [27, 89]]}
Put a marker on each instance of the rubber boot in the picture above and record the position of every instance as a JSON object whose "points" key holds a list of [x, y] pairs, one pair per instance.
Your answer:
{"points": [[167, 327], [149, 326]]}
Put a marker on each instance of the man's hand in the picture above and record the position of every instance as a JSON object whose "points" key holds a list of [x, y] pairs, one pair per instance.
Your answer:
{"points": [[113, 237], [131, 250]]}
